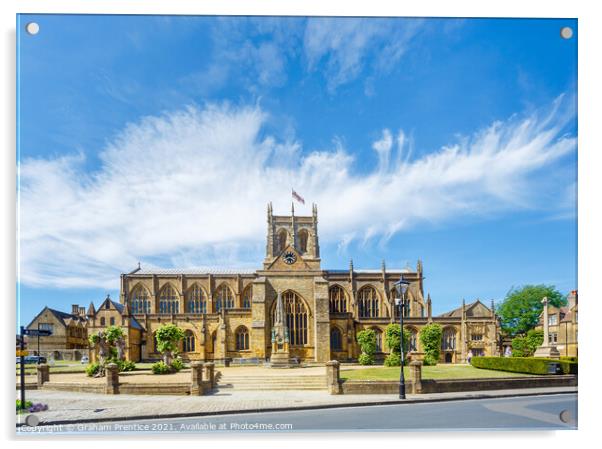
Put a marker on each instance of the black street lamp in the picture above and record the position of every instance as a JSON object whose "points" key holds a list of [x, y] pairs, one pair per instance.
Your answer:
{"points": [[401, 287]]}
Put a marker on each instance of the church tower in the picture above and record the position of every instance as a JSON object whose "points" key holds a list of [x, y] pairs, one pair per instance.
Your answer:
{"points": [[293, 234]]}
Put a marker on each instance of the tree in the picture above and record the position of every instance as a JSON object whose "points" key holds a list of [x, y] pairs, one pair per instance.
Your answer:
{"points": [[521, 308], [526, 346], [392, 338], [367, 342], [110, 344], [430, 337], [168, 336]]}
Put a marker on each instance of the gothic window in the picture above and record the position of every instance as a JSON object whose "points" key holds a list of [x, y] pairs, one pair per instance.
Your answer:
{"points": [[247, 297], [102, 321], [223, 298], [282, 236], [139, 301], [413, 340], [303, 237], [188, 343], [169, 300], [368, 302], [112, 321], [242, 338], [336, 339], [296, 318], [337, 299], [196, 301], [379, 339], [449, 339]]}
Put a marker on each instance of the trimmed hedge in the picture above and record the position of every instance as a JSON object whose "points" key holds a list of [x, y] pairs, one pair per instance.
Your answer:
{"points": [[527, 365]]}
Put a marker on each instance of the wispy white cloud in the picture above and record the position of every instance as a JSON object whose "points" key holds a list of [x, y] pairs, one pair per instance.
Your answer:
{"points": [[346, 46], [190, 188]]}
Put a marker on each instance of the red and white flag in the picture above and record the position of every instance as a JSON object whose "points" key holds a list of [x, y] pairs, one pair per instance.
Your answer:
{"points": [[298, 197]]}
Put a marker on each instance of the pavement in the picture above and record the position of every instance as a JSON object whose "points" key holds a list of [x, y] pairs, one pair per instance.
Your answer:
{"points": [[72, 407]]}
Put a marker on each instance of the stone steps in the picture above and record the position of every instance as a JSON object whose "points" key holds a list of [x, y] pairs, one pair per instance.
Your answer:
{"points": [[273, 383]]}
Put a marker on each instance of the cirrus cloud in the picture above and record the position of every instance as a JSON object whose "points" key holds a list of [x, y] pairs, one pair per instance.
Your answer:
{"points": [[189, 188]]}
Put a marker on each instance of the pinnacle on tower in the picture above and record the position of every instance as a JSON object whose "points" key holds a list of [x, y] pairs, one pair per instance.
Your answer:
{"points": [[91, 310]]}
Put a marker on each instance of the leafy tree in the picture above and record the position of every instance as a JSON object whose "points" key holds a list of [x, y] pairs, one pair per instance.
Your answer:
{"points": [[392, 338], [430, 337], [111, 349], [168, 336], [526, 346], [367, 342], [521, 308]]}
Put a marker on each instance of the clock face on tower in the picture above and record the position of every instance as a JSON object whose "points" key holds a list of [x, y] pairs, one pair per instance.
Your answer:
{"points": [[290, 257]]}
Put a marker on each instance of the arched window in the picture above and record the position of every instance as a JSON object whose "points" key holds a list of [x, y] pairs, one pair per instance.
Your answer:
{"points": [[282, 237], [242, 338], [188, 343], [368, 302], [379, 339], [247, 297], [296, 318], [449, 339], [223, 298], [196, 302], [139, 302], [102, 321], [336, 339], [169, 300], [303, 237], [413, 340], [337, 299]]}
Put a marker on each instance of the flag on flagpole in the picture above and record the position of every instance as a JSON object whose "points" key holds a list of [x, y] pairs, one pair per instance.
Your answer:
{"points": [[298, 197]]}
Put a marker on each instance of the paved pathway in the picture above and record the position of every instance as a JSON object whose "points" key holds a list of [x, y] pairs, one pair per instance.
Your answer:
{"points": [[68, 406]]}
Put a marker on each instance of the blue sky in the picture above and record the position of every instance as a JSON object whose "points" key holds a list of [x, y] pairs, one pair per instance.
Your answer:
{"points": [[161, 139]]}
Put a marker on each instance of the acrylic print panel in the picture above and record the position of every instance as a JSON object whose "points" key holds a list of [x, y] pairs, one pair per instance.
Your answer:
{"points": [[238, 214]]}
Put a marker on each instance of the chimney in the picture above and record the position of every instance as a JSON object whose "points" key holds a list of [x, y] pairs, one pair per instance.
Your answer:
{"points": [[82, 311], [572, 299], [74, 309]]}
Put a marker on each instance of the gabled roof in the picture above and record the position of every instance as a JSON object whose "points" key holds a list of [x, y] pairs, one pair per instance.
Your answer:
{"points": [[474, 309], [62, 317]]}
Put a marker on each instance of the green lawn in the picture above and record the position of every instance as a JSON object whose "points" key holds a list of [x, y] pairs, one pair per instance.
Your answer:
{"points": [[428, 372]]}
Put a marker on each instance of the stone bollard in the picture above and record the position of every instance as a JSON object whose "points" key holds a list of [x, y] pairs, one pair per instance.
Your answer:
{"points": [[112, 375], [196, 379], [416, 376], [332, 377], [43, 374], [210, 373]]}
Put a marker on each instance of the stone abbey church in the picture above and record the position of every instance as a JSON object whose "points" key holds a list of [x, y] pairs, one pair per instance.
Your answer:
{"points": [[229, 314]]}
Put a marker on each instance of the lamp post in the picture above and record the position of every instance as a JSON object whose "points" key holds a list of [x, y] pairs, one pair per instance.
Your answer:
{"points": [[401, 287]]}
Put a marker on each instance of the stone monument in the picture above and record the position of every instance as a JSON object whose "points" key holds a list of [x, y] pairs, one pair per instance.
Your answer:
{"points": [[280, 357], [546, 350]]}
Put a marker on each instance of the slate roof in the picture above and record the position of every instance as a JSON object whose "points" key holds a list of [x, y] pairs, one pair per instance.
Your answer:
{"points": [[63, 317]]}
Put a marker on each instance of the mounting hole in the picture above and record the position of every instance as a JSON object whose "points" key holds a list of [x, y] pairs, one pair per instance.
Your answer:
{"points": [[565, 416], [566, 32], [32, 28], [32, 420]]}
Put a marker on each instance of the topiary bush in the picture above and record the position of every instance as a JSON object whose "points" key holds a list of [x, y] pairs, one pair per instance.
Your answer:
{"points": [[392, 338], [430, 337], [367, 342]]}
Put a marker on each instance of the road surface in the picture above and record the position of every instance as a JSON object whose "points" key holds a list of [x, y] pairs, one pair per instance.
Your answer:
{"points": [[520, 413]]}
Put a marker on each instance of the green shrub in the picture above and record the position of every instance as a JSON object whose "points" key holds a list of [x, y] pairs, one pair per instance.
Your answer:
{"points": [[519, 347], [568, 359], [160, 368], [430, 337], [568, 366], [92, 369], [392, 335], [27, 404], [126, 365], [177, 364], [527, 365], [393, 359], [525, 346], [367, 341], [365, 359], [429, 360]]}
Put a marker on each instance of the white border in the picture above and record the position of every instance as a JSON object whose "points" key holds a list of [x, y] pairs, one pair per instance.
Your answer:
{"points": [[590, 225]]}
